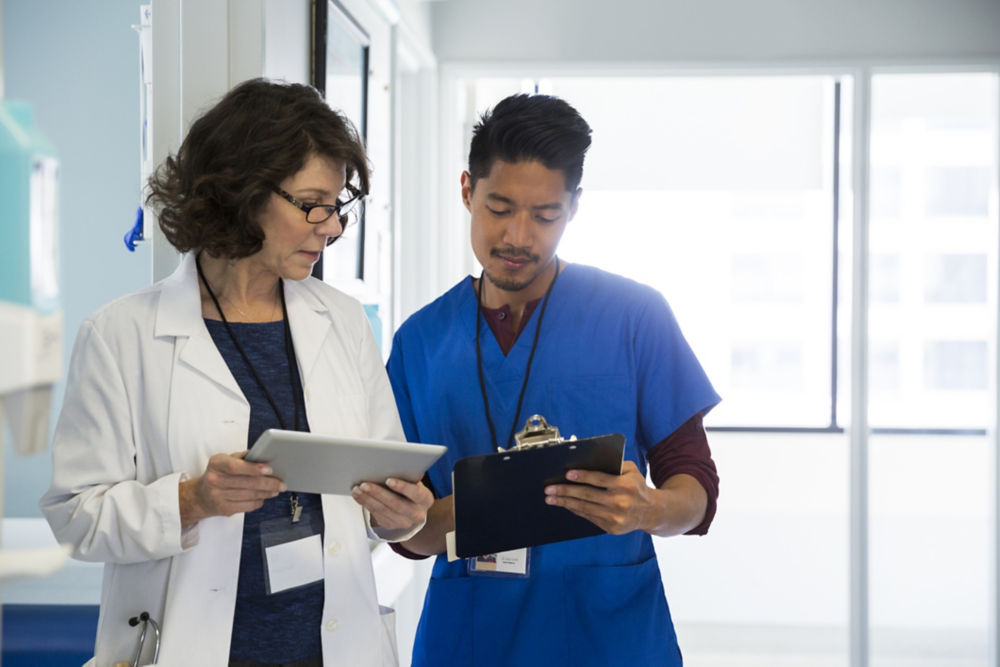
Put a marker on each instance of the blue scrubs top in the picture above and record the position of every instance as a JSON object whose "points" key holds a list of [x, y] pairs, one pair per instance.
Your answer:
{"points": [[610, 359]]}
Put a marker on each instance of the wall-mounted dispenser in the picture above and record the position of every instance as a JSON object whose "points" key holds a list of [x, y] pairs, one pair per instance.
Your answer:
{"points": [[31, 322], [31, 328]]}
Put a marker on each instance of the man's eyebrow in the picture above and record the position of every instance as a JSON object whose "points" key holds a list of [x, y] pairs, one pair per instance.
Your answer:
{"points": [[500, 199]]}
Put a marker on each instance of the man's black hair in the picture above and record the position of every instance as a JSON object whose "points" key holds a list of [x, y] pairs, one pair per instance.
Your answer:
{"points": [[525, 127]]}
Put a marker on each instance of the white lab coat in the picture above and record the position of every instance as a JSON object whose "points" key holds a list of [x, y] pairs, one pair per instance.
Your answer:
{"points": [[149, 399]]}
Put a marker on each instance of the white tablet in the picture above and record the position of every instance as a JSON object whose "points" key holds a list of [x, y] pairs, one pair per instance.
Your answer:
{"points": [[313, 463]]}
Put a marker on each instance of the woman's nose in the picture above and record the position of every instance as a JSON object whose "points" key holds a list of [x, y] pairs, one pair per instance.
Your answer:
{"points": [[330, 227]]}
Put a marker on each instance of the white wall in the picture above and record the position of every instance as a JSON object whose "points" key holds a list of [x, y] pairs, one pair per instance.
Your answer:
{"points": [[575, 31], [201, 48]]}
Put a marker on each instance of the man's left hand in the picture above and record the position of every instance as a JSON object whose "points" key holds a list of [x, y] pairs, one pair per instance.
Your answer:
{"points": [[621, 504]]}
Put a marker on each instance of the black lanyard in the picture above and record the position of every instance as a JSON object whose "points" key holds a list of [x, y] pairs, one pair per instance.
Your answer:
{"points": [[289, 351], [527, 370]]}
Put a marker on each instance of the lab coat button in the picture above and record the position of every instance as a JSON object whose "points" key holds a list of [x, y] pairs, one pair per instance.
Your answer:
{"points": [[333, 548], [332, 625]]}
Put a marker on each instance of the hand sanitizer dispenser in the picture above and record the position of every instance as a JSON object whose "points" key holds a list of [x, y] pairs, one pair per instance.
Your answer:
{"points": [[31, 327]]}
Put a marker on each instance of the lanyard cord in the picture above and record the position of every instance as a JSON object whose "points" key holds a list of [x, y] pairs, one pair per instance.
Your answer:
{"points": [[527, 370], [289, 349]]}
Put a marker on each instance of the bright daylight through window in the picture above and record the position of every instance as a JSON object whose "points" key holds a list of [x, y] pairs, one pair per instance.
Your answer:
{"points": [[720, 193]]}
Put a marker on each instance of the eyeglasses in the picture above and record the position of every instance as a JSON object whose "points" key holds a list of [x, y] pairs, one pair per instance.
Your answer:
{"points": [[320, 213]]}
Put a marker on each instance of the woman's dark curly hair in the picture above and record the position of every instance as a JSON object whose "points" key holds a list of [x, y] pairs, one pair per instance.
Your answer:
{"points": [[210, 195]]}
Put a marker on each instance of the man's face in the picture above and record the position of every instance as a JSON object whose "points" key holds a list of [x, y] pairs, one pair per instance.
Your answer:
{"points": [[519, 212]]}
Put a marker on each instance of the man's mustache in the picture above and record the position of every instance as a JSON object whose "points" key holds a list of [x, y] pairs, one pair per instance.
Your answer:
{"points": [[513, 253]]}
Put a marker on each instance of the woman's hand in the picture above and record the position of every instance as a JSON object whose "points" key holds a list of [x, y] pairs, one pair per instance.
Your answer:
{"points": [[229, 485], [396, 510]]}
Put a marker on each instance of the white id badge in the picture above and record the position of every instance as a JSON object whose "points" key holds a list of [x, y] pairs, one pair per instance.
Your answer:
{"points": [[514, 563], [293, 555]]}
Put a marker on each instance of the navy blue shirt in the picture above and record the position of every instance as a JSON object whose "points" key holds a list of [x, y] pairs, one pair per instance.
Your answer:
{"points": [[285, 626]]}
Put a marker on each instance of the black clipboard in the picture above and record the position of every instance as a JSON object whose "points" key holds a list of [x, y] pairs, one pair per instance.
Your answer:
{"points": [[500, 498]]}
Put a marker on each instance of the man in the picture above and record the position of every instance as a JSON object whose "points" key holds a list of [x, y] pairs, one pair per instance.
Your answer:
{"points": [[593, 353]]}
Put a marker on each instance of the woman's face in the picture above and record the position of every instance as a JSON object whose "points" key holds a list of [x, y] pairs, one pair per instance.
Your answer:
{"points": [[292, 245]]}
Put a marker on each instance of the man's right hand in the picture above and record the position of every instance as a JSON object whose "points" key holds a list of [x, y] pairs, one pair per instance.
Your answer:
{"points": [[430, 541]]}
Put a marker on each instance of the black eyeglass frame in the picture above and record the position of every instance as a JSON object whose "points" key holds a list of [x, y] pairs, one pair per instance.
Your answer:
{"points": [[341, 209]]}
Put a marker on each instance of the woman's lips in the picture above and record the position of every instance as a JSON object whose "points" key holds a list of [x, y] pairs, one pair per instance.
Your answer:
{"points": [[313, 256]]}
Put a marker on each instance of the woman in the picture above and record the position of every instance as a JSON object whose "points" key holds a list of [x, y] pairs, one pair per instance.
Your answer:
{"points": [[168, 386]]}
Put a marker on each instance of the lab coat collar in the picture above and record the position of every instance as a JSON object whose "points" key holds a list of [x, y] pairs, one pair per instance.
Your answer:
{"points": [[179, 310], [179, 315], [310, 323]]}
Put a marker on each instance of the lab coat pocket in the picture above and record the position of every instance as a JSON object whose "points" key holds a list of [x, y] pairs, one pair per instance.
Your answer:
{"points": [[619, 615], [390, 654], [129, 590]]}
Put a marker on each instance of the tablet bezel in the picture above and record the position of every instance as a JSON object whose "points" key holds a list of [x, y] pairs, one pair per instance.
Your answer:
{"points": [[320, 463]]}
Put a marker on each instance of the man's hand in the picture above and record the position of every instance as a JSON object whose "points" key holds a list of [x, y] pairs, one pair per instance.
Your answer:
{"points": [[396, 508], [229, 485], [623, 503]]}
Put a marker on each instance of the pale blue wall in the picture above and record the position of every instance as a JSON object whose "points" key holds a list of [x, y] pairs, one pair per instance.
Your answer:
{"points": [[76, 63]]}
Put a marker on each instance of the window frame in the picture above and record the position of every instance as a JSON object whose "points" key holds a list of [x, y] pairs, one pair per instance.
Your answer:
{"points": [[841, 77]]}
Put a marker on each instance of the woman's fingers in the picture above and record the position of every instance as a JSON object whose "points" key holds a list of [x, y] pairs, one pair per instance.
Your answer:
{"points": [[398, 505]]}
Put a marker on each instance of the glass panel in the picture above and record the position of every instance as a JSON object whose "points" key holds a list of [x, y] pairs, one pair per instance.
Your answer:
{"points": [[955, 278], [884, 278], [782, 602], [929, 359], [929, 551], [958, 191], [730, 216], [955, 364], [934, 168]]}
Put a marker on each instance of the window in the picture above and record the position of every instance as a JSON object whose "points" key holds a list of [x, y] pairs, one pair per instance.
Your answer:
{"points": [[736, 213], [955, 278], [733, 185], [929, 353], [724, 193], [933, 152]]}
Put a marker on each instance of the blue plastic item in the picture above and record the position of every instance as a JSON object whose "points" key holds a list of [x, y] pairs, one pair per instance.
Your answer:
{"points": [[29, 224], [134, 235]]}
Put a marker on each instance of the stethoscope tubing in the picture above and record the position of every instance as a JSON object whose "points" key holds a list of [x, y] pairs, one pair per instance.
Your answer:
{"points": [[146, 621]]}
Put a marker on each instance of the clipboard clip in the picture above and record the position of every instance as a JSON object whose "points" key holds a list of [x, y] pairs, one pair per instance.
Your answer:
{"points": [[538, 433]]}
